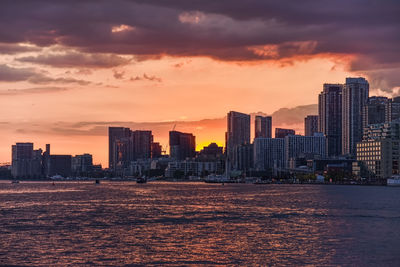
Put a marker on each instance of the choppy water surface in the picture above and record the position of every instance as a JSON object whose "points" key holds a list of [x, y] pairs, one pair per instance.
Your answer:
{"points": [[194, 223]]}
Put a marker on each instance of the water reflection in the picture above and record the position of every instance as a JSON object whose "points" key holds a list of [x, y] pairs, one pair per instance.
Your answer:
{"points": [[192, 223]]}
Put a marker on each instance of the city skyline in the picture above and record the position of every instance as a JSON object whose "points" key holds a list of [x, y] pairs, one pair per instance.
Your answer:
{"points": [[66, 75]]}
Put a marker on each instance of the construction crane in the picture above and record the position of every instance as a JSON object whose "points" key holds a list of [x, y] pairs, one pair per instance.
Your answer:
{"points": [[166, 147]]}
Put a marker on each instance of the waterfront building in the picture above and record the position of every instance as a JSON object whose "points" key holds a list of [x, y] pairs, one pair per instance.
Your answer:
{"points": [[393, 109], [310, 125], [82, 164], [263, 127], [26, 162], [375, 110], [282, 133], [243, 155], [269, 154], [379, 150], [354, 98], [330, 117], [114, 134], [297, 146], [186, 168], [59, 165], [238, 133], [126, 145], [182, 145]]}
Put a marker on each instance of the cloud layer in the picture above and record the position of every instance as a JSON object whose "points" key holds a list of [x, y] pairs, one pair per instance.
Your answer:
{"points": [[366, 30]]}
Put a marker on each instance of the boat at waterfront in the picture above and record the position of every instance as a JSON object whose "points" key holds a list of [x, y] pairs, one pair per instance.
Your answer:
{"points": [[394, 181], [15, 181], [141, 180]]}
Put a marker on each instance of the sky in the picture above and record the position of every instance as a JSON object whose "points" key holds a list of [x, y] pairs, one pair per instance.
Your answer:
{"points": [[69, 69]]}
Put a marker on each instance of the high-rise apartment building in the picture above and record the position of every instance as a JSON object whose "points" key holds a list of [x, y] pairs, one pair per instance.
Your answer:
{"points": [[126, 146], [298, 145], [282, 133], [354, 98], [375, 110], [26, 162], [238, 133], [393, 109], [114, 134], [182, 145], [269, 154], [310, 125], [330, 117], [263, 127], [379, 151]]}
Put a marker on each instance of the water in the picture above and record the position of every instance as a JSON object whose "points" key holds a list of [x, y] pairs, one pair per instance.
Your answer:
{"points": [[194, 223]]}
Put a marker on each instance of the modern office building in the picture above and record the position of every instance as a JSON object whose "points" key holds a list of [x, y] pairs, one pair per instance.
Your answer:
{"points": [[263, 127], [310, 125], [282, 133], [60, 165], [393, 109], [82, 164], [354, 98], [330, 117], [26, 162], [114, 134], [375, 110], [243, 155], [269, 154], [379, 150], [238, 133], [141, 144], [126, 146], [182, 145], [304, 146]]}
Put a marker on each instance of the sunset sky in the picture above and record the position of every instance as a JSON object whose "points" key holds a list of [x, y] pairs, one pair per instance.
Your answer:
{"points": [[69, 69]]}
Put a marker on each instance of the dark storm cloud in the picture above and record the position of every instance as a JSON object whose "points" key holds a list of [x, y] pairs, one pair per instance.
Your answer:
{"points": [[224, 29], [10, 74]]}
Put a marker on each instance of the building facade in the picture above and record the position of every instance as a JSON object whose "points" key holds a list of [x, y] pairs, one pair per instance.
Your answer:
{"points": [[310, 125], [26, 162], [375, 110], [297, 146], [282, 133], [182, 145], [238, 133], [354, 98], [330, 117], [263, 127], [269, 154]]}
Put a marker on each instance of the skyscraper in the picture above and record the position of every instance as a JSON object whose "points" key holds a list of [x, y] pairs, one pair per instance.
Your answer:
{"points": [[238, 133], [354, 98], [393, 109], [269, 154], [182, 145], [298, 145], [375, 110], [263, 127], [330, 117], [310, 125], [26, 162], [126, 146], [115, 133]]}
